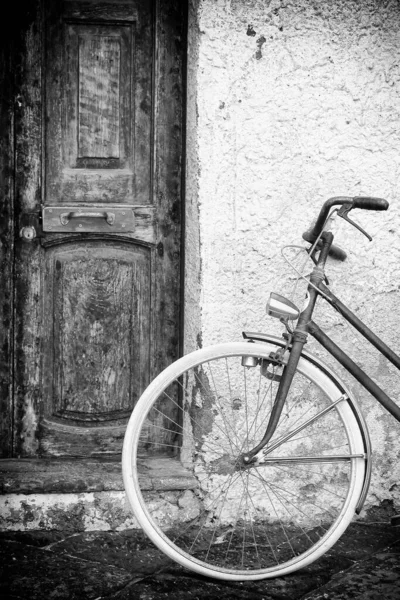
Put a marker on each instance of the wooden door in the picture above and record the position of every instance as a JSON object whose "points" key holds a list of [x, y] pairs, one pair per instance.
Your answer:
{"points": [[97, 121]]}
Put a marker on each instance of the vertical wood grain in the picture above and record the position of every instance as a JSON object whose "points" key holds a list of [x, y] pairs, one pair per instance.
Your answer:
{"points": [[99, 109], [169, 139], [97, 342], [7, 85], [96, 316], [101, 305], [28, 171], [99, 97], [169, 136]]}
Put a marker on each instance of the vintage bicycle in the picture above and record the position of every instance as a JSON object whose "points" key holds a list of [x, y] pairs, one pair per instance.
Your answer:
{"points": [[271, 445]]}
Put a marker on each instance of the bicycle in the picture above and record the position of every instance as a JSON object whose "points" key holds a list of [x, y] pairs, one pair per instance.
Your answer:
{"points": [[261, 451]]}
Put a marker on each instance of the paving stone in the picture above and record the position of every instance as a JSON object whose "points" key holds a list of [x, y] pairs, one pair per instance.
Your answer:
{"points": [[129, 550], [126, 566], [374, 578], [39, 573]]}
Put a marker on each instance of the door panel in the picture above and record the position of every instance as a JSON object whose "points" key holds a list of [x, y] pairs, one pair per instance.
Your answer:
{"points": [[97, 335], [99, 103], [98, 135], [98, 310]]}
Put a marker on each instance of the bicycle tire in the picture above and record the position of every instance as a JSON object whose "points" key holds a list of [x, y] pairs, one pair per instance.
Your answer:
{"points": [[244, 524]]}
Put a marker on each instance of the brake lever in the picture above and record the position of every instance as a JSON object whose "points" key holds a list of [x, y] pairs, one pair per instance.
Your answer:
{"points": [[344, 211]]}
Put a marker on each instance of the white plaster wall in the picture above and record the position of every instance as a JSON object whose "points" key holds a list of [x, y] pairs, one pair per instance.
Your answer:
{"points": [[290, 103]]}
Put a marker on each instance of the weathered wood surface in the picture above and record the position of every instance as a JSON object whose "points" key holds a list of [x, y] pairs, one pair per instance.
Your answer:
{"points": [[6, 232], [27, 262], [145, 225], [24, 476], [97, 343], [99, 106], [96, 315], [97, 331], [95, 304], [102, 10], [168, 180], [65, 438], [99, 60]]}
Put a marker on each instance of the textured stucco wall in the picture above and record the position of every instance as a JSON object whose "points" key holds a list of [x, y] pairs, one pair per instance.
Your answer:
{"points": [[290, 103]]}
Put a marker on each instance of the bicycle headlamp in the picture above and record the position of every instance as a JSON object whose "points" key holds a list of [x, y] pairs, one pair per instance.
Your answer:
{"points": [[281, 308]]}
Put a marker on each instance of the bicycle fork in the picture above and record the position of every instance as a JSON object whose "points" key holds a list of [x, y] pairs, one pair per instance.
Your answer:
{"points": [[299, 339]]}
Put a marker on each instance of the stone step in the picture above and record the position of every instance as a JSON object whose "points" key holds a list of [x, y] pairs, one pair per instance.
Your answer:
{"points": [[84, 494]]}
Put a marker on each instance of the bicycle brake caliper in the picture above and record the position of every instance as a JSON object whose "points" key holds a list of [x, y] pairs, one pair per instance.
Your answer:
{"points": [[276, 361]]}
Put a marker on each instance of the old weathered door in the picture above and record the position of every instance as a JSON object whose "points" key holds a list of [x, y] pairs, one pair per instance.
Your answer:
{"points": [[97, 195]]}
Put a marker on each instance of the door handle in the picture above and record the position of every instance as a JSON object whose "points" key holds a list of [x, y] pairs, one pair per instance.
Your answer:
{"points": [[67, 216], [88, 219]]}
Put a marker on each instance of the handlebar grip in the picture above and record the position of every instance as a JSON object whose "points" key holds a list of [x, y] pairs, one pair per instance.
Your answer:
{"points": [[370, 203], [335, 251]]}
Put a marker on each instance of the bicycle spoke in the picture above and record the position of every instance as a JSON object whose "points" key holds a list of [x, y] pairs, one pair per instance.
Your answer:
{"points": [[291, 434], [210, 444], [284, 505], [260, 519], [288, 493], [231, 428], [266, 536]]}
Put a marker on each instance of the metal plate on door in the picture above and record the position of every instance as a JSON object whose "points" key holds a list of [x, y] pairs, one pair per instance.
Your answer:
{"points": [[83, 219]]}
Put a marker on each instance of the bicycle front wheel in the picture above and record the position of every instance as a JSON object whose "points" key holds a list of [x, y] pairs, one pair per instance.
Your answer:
{"points": [[234, 522]]}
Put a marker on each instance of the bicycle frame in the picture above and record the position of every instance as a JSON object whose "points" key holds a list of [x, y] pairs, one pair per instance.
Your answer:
{"points": [[347, 362], [306, 326]]}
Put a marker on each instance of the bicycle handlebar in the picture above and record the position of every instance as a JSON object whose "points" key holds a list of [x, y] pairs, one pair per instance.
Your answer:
{"points": [[363, 202], [370, 203]]}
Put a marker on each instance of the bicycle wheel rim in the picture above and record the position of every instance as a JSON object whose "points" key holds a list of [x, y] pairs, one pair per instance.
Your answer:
{"points": [[204, 567]]}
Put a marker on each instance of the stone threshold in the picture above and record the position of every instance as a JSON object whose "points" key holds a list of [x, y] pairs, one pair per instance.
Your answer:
{"points": [[66, 476]]}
